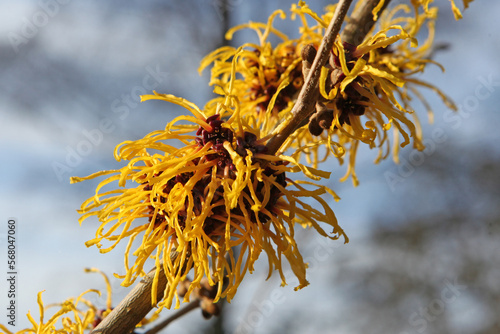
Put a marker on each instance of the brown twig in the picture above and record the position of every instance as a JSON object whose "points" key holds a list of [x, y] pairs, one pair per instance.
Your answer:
{"points": [[188, 308], [308, 95], [361, 21], [135, 306]]}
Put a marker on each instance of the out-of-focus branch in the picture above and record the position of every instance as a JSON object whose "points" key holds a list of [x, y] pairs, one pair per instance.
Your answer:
{"points": [[188, 308]]}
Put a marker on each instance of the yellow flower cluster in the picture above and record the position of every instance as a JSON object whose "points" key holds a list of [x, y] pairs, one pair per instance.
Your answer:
{"points": [[218, 191], [366, 89], [74, 315], [188, 195]]}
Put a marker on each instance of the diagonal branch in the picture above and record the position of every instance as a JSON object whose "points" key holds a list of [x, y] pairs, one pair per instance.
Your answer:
{"points": [[135, 306], [308, 95], [360, 23]]}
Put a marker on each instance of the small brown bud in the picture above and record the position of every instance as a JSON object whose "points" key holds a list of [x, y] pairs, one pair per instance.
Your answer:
{"points": [[183, 287], [209, 307], [207, 290], [314, 128], [308, 54]]}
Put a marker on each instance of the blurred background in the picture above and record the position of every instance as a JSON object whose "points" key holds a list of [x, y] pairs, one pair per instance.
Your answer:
{"points": [[424, 250]]}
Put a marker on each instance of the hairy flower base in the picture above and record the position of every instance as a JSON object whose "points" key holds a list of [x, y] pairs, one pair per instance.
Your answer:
{"points": [[218, 191]]}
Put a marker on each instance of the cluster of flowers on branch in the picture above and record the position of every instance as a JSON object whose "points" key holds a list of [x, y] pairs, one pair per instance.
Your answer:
{"points": [[366, 90], [217, 191], [206, 196]]}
